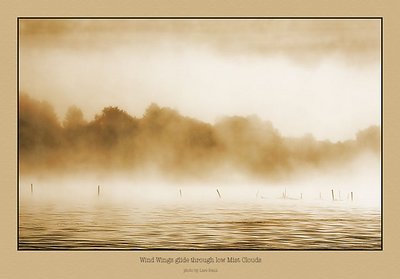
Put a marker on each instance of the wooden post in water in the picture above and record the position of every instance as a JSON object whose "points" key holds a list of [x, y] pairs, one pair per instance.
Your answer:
{"points": [[333, 195], [339, 196], [180, 192], [320, 196], [31, 188], [351, 196], [301, 196], [98, 190], [218, 194], [284, 194]]}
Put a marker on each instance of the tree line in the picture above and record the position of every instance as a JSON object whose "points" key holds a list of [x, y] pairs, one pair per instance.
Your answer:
{"points": [[171, 143]]}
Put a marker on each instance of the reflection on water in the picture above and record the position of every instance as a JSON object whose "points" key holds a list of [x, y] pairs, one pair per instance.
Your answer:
{"points": [[221, 225]]}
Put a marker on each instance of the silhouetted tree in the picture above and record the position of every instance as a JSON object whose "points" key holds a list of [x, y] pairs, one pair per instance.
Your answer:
{"points": [[370, 138], [112, 126], [38, 123], [74, 118], [74, 126], [40, 134]]}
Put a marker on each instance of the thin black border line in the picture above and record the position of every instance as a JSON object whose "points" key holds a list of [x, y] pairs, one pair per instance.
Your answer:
{"points": [[382, 136], [197, 17], [197, 250], [17, 132]]}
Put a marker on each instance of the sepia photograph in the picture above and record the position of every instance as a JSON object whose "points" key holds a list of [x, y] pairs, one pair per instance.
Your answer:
{"points": [[190, 133]]}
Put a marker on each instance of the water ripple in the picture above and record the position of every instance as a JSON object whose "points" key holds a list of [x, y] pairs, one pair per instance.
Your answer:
{"points": [[205, 228]]}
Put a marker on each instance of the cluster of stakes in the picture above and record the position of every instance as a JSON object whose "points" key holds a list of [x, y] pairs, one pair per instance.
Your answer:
{"points": [[284, 196]]}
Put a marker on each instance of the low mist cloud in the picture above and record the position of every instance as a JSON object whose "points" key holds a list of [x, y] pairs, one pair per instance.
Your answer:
{"points": [[165, 142]]}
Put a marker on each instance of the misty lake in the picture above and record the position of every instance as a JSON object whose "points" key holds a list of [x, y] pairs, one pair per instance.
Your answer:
{"points": [[261, 224]]}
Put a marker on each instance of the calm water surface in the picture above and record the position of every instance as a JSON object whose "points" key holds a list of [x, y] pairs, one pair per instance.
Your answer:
{"points": [[256, 225]]}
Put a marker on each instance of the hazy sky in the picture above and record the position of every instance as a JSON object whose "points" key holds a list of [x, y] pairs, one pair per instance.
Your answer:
{"points": [[305, 76]]}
